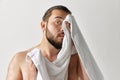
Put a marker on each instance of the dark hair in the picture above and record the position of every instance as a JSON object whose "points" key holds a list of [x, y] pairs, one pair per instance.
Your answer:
{"points": [[58, 7]]}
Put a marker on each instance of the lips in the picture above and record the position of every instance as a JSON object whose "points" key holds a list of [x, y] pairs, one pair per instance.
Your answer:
{"points": [[61, 35]]}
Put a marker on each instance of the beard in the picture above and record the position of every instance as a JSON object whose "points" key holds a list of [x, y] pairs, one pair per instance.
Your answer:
{"points": [[52, 41]]}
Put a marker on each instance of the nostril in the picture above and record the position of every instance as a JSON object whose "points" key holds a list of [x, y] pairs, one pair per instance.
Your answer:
{"points": [[62, 32]]}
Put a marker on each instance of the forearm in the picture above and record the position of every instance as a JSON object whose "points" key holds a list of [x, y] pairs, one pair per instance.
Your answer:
{"points": [[81, 72]]}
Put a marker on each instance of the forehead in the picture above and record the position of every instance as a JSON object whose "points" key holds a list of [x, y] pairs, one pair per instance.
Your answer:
{"points": [[58, 13]]}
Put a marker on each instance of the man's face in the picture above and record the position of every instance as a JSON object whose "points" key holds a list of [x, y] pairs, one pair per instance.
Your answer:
{"points": [[54, 31]]}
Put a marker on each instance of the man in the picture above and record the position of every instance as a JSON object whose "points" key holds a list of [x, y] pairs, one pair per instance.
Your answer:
{"points": [[50, 46]]}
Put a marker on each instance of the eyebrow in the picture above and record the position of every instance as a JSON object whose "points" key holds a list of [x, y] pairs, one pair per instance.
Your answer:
{"points": [[59, 17]]}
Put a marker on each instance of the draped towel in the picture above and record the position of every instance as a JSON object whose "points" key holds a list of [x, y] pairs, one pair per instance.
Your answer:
{"points": [[58, 69]]}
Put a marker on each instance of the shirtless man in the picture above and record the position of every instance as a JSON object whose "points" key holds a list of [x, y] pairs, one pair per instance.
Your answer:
{"points": [[50, 46]]}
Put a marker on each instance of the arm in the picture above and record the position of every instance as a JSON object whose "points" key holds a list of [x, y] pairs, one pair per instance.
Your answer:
{"points": [[72, 69], [81, 71], [14, 71]]}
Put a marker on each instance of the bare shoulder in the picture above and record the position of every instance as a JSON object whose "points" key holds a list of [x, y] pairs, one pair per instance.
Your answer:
{"points": [[14, 69], [18, 58]]}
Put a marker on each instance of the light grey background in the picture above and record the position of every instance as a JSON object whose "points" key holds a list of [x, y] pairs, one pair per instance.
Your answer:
{"points": [[99, 21]]}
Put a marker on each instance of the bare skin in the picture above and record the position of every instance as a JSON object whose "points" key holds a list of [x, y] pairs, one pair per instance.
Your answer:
{"points": [[19, 69]]}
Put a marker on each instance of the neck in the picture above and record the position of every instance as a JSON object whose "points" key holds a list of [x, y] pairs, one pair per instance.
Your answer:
{"points": [[48, 50]]}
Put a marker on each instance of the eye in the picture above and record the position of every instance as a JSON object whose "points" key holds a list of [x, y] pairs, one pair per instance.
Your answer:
{"points": [[58, 22]]}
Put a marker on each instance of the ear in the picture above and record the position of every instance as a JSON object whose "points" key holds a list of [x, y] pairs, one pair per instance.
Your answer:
{"points": [[43, 25]]}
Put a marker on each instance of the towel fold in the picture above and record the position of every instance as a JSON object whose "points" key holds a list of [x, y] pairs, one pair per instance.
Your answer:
{"points": [[73, 42], [84, 53]]}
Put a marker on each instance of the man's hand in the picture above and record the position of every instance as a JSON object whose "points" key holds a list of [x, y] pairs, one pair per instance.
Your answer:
{"points": [[68, 26]]}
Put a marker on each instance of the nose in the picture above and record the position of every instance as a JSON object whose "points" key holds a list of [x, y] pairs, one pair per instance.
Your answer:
{"points": [[61, 29]]}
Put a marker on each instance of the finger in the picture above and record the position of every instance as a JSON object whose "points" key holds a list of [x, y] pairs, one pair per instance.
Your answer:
{"points": [[68, 26]]}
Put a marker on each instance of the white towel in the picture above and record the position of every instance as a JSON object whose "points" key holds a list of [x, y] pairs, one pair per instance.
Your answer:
{"points": [[58, 69], [84, 53]]}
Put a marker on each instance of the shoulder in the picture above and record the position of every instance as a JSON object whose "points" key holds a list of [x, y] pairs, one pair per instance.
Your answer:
{"points": [[16, 65], [14, 69], [17, 59], [20, 56]]}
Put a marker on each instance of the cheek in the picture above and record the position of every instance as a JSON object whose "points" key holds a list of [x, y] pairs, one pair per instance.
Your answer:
{"points": [[53, 29]]}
